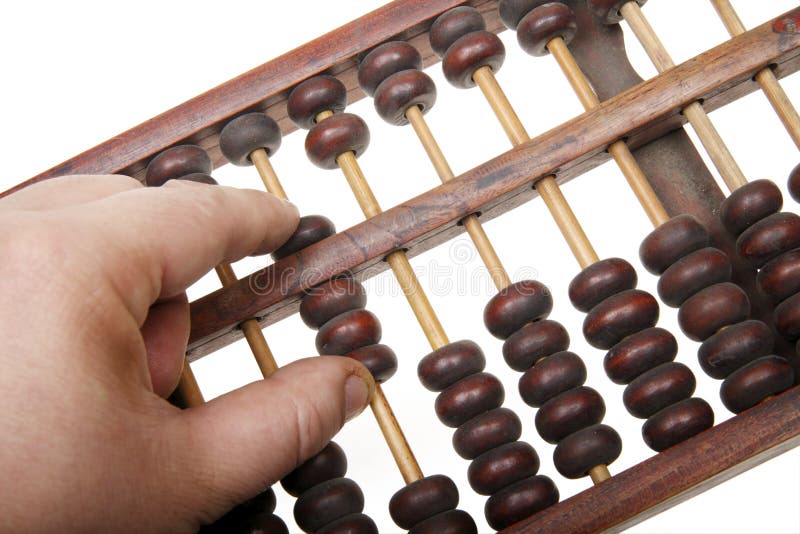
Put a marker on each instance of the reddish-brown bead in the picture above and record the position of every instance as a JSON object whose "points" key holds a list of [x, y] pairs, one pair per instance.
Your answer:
{"points": [[469, 53], [541, 25], [452, 25], [385, 60], [554, 375], [327, 464], [703, 314], [516, 305], [677, 423], [447, 365], [596, 445], [793, 184], [311, 229], [749, 204], [469, 397], [502, 466], [348, 332], [780, 278], [199, 178], [658, 388], [693, 272], [334, 136], [485, 432], [351, 523], [422, 499], [406, 89], [335, 297], [312, 97], [756, 381], [787, 317], [175, 162], [599, 281], [733, 347], [638, 353], [671, 241], [380, 361], [244, 134], [512, 11], [619, 316], [327, 502], [608, 11], [519, 501], [534, 341], [769, 237], [569, 412], [449, 522]]}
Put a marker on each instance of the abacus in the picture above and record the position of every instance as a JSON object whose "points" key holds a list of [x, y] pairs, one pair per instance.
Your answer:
{"points": [[727, 263]]}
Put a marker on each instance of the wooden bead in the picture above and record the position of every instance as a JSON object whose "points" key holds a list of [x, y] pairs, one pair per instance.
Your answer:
{"points": [[569, 412], [334, 136], [452, 25], [733, 347], [469, 397], [619, 316], [422, 499], [351, 524], [671, 241], [327, 502], [693, 272], [401, 91], [311, 229], [638, 353], [534, 341], [250, 524], [199, 178], [312, 97], [468, 54], [677, 423], [327, 464], [756, 381], [703, 314], [543, 24], [502, 466], [518, 304], [175, 162], [347, 332], [596, 445], [385, 60], [380, 360], [793, 183], [599, 281], [554, 375], [449, 522], [485, 432], [780, 278], [520, 500], [322, 303], [769, 237], [447, 365], [608, 10], [658, 388], [512, 11], [244, 134], [787, 317], [749, 204]]}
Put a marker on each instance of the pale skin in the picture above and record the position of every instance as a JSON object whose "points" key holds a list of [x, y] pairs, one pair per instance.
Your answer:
{"points": [[93, 331]]}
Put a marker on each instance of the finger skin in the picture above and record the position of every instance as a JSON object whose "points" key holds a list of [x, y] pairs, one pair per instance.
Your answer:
{"points": [[68, 191], [165, 334]]}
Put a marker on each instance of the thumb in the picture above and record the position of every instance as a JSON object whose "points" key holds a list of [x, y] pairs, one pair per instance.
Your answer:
{"points": [[246, 440]]}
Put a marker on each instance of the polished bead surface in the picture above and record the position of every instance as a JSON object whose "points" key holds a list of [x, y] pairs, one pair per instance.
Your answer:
{"points": [[520, 500], [385, 60], [334, 136], [468, 54], [569, 412], [449, 522], [452, 25], [469, 397], [693, 272], [733, 347], [311, 229], [351, 524], [512, 11], [759, 379], [787, 317], [534, 341], [703, 314], [769, 237], [516, 305], [406, 89], [449, 364], [619, 316], [199, 178], [347, 332], [325, 301], [793, 184], [541, 25], [780, 278], [312, 97], [175, 162], [608, 11], [671, 241], [638, 353], [380, 360], [502, 466], [677, 423], [749, 204], [599, 281], [327, 464], [422, 499], [246, 133], [327, 502], [485, 432], [658, 388], [596, 445], [554, 375]]}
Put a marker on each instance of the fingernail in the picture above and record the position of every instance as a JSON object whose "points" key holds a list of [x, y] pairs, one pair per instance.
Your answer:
{"points": [[357, 395]]}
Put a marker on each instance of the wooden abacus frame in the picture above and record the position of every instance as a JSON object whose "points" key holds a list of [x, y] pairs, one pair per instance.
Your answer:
{"points": [[644, 112]]}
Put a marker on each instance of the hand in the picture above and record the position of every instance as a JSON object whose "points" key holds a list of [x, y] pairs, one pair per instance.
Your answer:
{"points": [[93, 329]]}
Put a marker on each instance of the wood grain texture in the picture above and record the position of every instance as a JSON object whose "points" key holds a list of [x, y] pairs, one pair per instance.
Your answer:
{"points": [[642, 113], [675, 475]]}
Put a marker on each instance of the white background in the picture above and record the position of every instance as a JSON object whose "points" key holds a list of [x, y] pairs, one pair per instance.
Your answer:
{"points": [[77, 73]]}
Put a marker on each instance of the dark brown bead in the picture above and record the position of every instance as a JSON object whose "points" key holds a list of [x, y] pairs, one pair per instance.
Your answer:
{"points": [[518, 304], [534, 341], [619, 316], [380, 360], [755, 382], [351, 524], [704, 313], [447, 365], [401, 91], [554, 375], [520, 500], [452, 25], [485, 432], [693, 272], [327, 464], [322, 303], [569, 412], [656, 389], [385, 60], [599, 281], [543, 24], [175, 162], [244, 134], [347, 332], [677, 423], [512, 11], [449, 522], [749, 204], [199, 178], [327, 502], [780, 278], [264, 502], [334, 136], [671, 241], [500, 467], [312, 97], [468, 398], [422, 499], [468, 54], [256, 524], [608, 10], [787, 317], [638, 353], [733, 347], [769, 238], [311, 229], [793, 183], [596, 445]]}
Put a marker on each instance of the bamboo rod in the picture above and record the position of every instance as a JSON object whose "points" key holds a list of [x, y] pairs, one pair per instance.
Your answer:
{"points": [[599, 473], [731, 174], [260, 159], [188, 388]]}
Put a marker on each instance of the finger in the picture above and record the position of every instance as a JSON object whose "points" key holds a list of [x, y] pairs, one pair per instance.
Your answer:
{"points": [[68, 191], [165, 334], [250, 438]]}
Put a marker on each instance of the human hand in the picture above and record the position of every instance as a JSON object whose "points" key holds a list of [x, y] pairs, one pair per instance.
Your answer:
{"points": [[93, 331]]}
